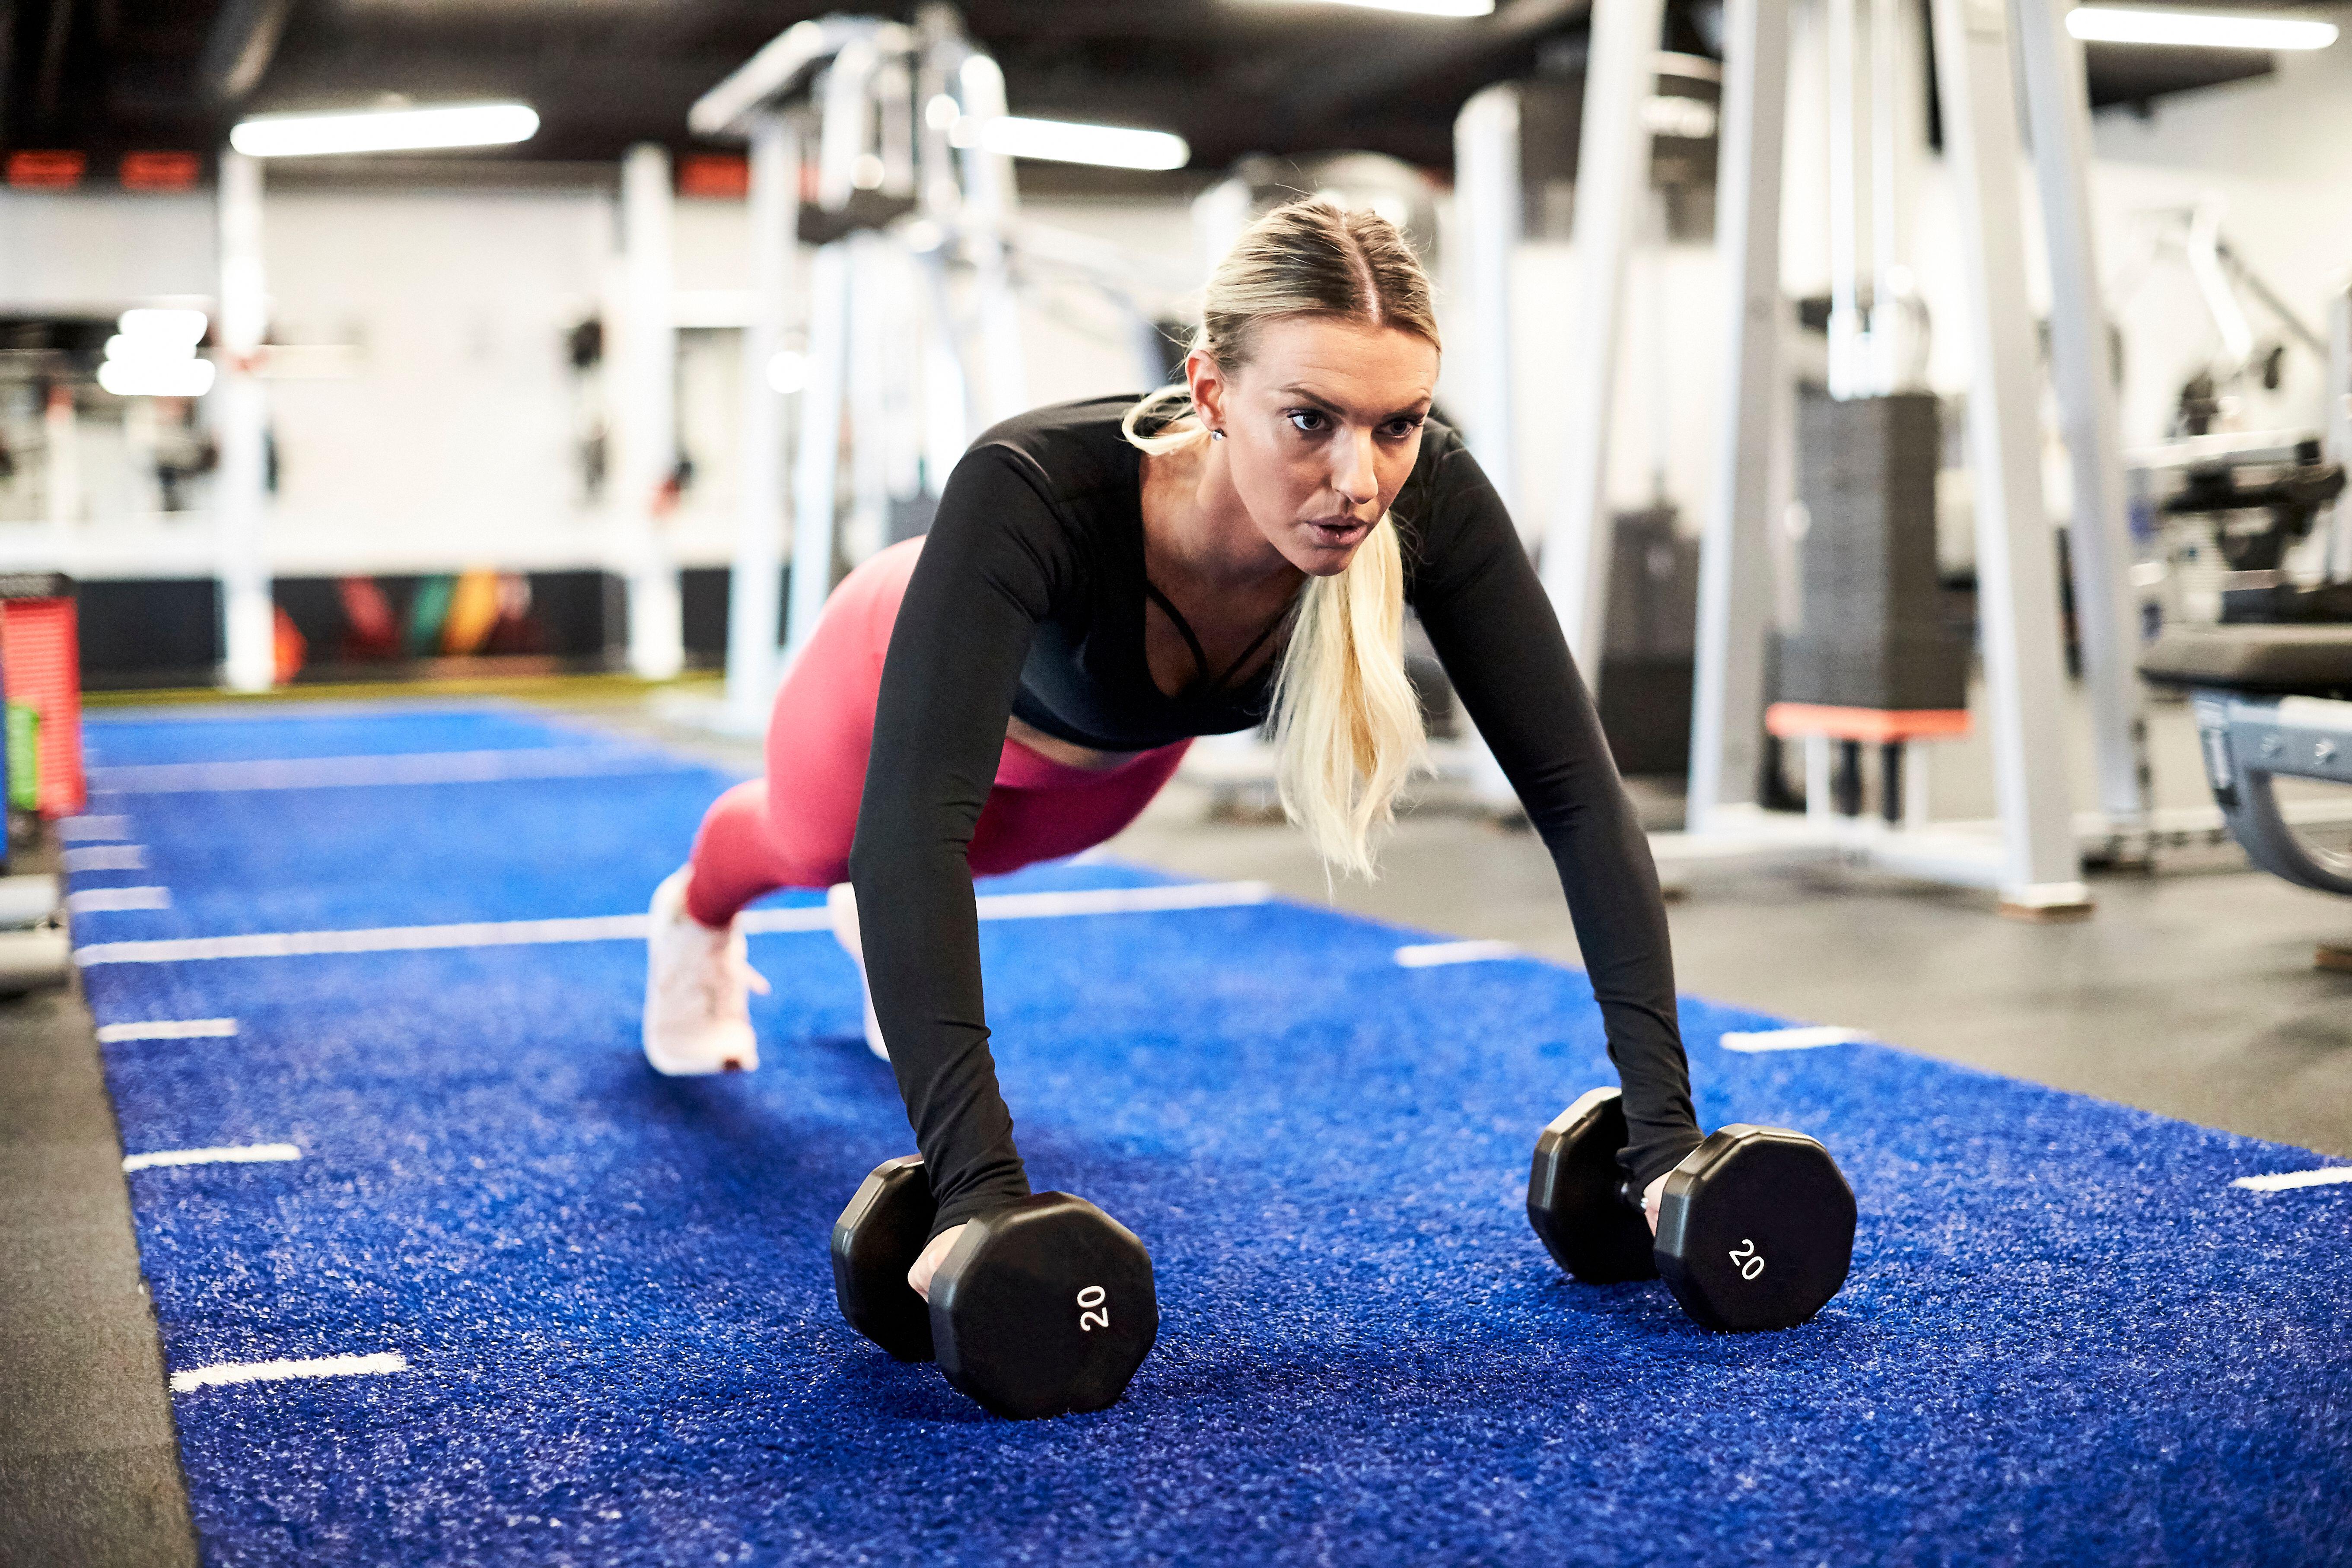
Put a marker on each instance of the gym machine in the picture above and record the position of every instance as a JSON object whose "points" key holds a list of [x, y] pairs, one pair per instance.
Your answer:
{"points": [[40, 770], [910, 296], [2270, 684], [2030, 855]]}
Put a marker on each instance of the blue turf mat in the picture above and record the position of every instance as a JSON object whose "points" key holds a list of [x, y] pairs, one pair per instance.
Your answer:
{"points": [[128, 738], [2066, 1337]]}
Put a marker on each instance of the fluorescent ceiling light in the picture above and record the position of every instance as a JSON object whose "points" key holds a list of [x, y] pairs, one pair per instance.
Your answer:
{"points": [[384, 130], [156, 378], [1062, 141], [2151, 24], [1417, 7], [182, 329]]}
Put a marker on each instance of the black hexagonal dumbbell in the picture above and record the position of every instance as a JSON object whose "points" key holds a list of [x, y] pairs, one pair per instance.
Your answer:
{"points": [[1755, 1227], [1042, 1307]]}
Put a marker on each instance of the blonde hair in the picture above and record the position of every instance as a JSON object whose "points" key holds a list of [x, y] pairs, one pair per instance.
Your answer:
{"points": [[1346, 723]]}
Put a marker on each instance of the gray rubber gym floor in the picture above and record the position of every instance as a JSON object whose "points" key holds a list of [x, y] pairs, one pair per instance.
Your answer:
{"points": [[2191, 992]]}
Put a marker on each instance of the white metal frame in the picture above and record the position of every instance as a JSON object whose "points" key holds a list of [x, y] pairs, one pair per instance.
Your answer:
{"points": [[843, 93], [2106, 612], [1736, 567], [1612, 190], [2030, 855], [645, 410], [2339, 422], [241, 424]]}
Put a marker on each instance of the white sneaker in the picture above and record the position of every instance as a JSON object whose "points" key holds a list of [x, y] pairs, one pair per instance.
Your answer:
{"points": [[698, 983], [841, 902]]}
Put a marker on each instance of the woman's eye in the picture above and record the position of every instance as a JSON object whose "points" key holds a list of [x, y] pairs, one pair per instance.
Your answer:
{"points": [[1308, 421], [1403, 429]]}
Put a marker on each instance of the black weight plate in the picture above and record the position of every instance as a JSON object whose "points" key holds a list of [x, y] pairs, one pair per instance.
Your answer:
{"points": [[1573, 1194], [1756, 1230], [875, 1242], [1045, 1306]]}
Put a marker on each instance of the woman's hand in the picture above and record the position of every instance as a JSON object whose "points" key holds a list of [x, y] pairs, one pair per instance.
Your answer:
{"points": [[919, 1276], [1652, 1195]]}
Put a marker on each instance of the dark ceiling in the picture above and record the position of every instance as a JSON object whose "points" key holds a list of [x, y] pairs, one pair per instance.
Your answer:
{"points": [[107, 77]]}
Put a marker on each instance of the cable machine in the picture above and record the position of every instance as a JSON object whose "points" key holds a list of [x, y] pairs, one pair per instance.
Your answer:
{"points": [[2030, 855], [912, 332]]}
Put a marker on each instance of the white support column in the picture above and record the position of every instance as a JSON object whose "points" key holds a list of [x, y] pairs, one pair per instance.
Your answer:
{"points": [[1850, 121], [2339, 422], [1486, 204], [241, 426], [647, 414], [817, 462], [947, 399], [2017, 570], [1898, 143], [2106, 613], [990, 201], [876, 291], [1612, 172], [754, 588], [61, 498], [1736, 569]]}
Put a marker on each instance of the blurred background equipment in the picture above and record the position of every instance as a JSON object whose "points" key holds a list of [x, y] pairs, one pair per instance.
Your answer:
{"points": [[40, 771]]}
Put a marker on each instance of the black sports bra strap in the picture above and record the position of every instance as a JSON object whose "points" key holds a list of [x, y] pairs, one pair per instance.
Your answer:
{"points": [[1200, 685], [1250, 652], [1176, 617]]}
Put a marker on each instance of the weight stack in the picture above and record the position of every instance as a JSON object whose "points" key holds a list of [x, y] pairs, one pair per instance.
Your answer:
{"points": [[1874, 634], [1652, 631]]}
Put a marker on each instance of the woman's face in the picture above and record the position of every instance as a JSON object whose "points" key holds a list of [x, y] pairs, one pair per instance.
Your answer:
{"points": [[1322, 426]]}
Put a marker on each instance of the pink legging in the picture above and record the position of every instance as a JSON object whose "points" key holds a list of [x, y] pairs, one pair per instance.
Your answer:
{"points": [[793, 829]]}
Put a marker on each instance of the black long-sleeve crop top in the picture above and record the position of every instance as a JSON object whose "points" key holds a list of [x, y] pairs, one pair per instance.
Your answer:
{"points": [[1028, 600]]}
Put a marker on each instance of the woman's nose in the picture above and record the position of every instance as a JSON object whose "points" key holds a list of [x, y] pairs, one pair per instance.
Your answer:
{"points": [[1353, 476]]}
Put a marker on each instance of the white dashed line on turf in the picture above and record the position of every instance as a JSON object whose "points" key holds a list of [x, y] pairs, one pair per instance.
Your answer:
{"points": [[1798, 1039], [2285, 1181], [167, 1029], [92, 829], [398, 768], [102, 901], [107, 858], [232, 1154], [279, 1371], [1431, 954], [632, 928]]}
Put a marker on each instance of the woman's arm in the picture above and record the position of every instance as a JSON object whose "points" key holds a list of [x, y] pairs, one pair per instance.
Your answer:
{"points": [[987, 575], [1500, 642]]}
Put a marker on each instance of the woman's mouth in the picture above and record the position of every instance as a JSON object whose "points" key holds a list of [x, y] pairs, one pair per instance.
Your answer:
{"points": [[1338, 531]]}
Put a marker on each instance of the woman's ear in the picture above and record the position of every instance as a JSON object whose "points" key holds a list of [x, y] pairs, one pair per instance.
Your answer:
{"points": [[1208, 387]]}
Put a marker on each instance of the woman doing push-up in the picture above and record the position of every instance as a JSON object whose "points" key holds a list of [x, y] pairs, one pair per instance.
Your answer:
{"points": [[1104, 582]]}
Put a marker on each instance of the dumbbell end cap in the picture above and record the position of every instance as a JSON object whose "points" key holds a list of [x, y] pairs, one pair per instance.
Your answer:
{"points": [[1574, 1194], [1044, 1307], [1755, 1229], [876, 1239]]}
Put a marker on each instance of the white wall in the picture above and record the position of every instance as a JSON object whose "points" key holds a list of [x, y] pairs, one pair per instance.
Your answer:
{"points": [[458, 425], [98, 252]]}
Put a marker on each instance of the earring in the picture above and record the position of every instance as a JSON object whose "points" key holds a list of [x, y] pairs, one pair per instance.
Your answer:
{"points": [[1216, 434]]}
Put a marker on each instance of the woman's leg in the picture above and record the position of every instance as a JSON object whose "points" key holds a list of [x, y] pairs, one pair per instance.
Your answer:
{"points": [[794, 828], [790, 829], [1042, 810]]}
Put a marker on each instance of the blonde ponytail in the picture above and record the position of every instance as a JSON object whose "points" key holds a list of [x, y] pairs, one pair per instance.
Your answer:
{"points": [[1346, 724], [1162, 440]]}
